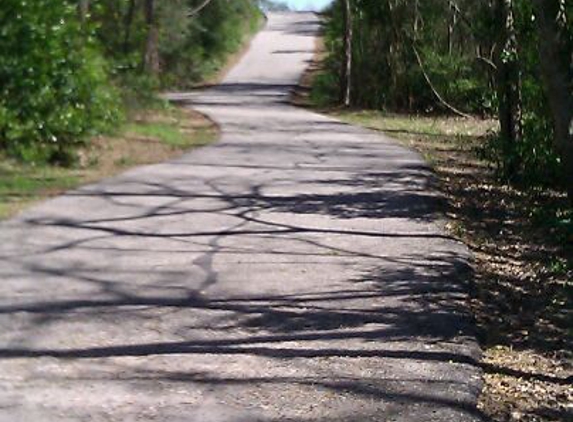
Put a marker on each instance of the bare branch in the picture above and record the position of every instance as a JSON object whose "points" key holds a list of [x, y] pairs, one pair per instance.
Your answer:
{"points": [[199, 8], [487, 61], [457, 9], [431, 85]]}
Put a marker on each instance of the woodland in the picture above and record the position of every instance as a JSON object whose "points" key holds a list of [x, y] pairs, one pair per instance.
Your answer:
{"points": [[511, 59]]}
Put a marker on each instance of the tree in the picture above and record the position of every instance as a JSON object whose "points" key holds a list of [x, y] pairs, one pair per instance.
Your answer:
{"points": [[556, 67], [479, 56], [83, 8], [128, 22], [151, 55], [508, 81], [347, 64], [63, 63]]}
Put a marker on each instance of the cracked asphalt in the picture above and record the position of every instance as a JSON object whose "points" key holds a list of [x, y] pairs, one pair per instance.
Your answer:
{"points": [[296, 270]]}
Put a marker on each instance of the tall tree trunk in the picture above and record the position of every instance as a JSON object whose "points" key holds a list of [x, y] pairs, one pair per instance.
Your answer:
{"points": [[556, 68], [83, 9], [129, 15], [451, 28], [151, 55], [508, 79], [347, 65]]}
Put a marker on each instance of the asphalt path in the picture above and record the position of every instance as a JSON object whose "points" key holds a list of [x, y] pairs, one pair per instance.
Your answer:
{"points": [[296, 270]]}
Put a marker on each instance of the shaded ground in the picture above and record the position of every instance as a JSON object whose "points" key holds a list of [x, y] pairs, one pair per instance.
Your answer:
{"points": [[523, 247]]}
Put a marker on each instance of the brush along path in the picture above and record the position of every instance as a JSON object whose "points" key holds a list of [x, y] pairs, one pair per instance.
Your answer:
{"points": [[294, 271]]}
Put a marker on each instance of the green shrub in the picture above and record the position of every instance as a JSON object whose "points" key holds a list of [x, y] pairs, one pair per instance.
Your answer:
{"points": [[190, 48], [324, 91], [53, 85], [533, 159], [194, 49]]}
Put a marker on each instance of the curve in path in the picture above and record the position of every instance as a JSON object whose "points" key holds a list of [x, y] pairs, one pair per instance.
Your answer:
{"points": [[294, 271]]}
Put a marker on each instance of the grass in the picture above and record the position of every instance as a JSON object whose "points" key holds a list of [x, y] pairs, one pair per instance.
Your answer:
{"points": [[441, 131], [166, 133], [21, 185], [171, 128], [152, 135], [522, 241]]}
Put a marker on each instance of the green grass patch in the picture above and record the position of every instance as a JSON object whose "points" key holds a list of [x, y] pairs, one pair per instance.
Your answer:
{"points": [[557, 220], [394, 123], [22, 184], [168, 126], [164, 132]]}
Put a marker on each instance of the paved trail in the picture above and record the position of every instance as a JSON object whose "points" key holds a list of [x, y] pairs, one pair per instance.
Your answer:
{"points": [[293, 271]]}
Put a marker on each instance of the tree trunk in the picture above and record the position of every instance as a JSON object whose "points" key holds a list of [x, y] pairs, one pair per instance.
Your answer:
{"points": [[508, 80], [557, 73], [451, 28], [83, 9], [347, 65], [151, 55], [130, 14]]}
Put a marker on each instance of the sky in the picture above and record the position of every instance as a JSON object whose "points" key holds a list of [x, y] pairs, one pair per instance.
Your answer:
{"points": [[305, 4]]}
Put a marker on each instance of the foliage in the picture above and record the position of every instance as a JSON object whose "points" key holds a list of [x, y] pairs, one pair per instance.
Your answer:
{"points": [[218, 31], [535, 153], [191, 48], [62, 74], [425, 56], [386, 72], [53, 83]]}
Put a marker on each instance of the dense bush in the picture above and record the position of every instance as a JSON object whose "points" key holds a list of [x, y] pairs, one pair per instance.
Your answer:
{"points": [[60, 64], [202, 43], [53, 85]]}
